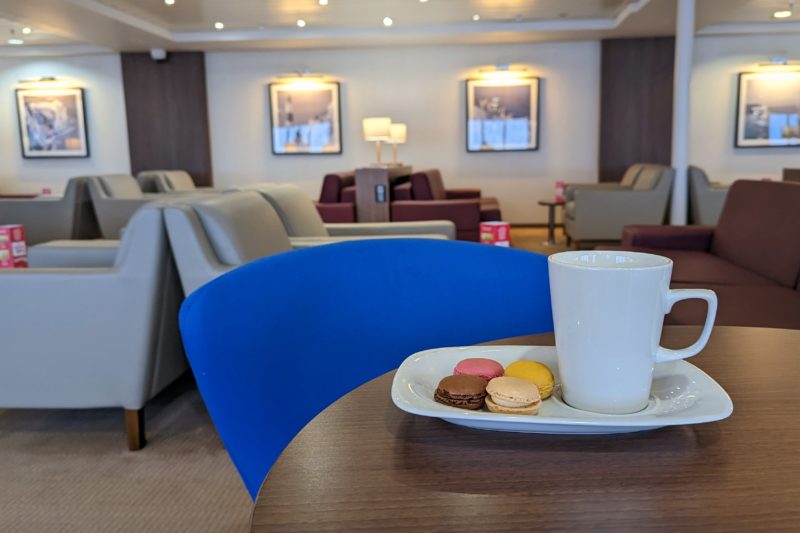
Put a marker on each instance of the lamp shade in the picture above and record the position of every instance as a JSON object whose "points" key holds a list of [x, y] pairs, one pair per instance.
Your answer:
{"points": [[398, 134], [377, 128]]}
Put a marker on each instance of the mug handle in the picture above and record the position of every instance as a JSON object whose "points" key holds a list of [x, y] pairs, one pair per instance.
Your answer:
{"points": [[676, 295]]}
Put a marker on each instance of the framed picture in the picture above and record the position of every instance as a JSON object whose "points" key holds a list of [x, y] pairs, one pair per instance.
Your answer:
{"points": [[502, 115], [768, 109], [305, 118], [52, 123]]}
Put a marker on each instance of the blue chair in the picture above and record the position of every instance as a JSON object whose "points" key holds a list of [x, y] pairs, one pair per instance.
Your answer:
{"points": [[274, 342]]}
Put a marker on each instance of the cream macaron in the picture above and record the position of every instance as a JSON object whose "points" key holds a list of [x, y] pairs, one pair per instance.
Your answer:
{"points": [[513, 396]]}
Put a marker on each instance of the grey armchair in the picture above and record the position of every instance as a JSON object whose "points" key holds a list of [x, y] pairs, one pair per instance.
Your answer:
{"points": [[305, 226], [627, 182], [162, 181], [213, 234], [706, 198], [600, 214], [47, 219], [96, 337], [115, 198]]}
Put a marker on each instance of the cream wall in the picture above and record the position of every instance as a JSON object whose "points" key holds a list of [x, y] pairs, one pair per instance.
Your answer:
{"points": [[717, 63], [101, 77], [423, 87]]}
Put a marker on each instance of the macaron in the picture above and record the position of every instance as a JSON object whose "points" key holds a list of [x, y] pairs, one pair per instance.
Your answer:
{"points": [[487, 369], [466, 392], [537, 373], [514, 396]]}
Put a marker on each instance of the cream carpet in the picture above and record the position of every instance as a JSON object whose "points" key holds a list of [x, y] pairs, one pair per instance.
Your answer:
{"points": [[70, 470]]}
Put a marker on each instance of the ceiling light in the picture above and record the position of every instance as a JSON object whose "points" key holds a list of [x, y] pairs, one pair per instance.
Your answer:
{"points": [[26, 30], [423, 1], [219, 25], [476, 17], [387, 21], [16, 41], [323, 2], [782, 14], [301, 23], [169, 2]]}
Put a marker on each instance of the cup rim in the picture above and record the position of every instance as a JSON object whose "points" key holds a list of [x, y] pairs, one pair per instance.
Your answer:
{"points": [[559, 259]]}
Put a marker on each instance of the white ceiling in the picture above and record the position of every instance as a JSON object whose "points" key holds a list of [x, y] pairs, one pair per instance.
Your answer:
{"points": [[138, 25]]}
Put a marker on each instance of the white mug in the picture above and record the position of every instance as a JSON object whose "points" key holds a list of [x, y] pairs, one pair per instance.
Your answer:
{"points": [[608, 310]]}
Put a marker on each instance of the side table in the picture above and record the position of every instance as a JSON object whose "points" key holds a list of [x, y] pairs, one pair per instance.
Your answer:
{"points": [[551, 219]]}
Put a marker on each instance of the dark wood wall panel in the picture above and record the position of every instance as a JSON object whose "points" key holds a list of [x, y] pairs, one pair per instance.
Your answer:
{"points": [[167, 112], [635, 104]]}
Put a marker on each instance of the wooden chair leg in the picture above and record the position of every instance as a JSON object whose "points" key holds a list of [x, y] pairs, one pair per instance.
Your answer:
{"points": [[134, 425]]}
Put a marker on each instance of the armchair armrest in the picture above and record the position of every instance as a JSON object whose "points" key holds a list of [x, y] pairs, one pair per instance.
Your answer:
{"points": [[570, 188], [337, 212], [441, 227], [308, 242], [463, 213], [74, 254], [462, 194], [402, 191], [697, 238]]}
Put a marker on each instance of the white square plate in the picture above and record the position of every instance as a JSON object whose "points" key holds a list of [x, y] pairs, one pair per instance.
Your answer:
{"points": [[681, 394]]}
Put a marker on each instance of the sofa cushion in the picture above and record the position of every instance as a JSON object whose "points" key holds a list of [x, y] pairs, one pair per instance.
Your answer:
{"points": [[332, 185], [296, 209], [744, 305], [700, 267], [179, 180], [629, 178], [759, 229], [120, 186], [241, 226], [428, 185], [648, 178]]}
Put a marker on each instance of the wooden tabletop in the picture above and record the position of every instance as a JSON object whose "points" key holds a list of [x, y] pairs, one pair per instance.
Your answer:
{"points": [[364, 464]]}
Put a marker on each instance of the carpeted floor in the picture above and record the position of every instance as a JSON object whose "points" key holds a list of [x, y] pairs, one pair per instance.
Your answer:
{"points": [[69, 470]]}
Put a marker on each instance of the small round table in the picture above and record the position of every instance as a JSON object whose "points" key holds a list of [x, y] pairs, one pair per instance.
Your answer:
{"points": [[551, 219], [363, 464]]}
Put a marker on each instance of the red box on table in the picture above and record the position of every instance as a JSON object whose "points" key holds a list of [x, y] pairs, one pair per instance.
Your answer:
{"points": [[496, 233], [13, 250]]}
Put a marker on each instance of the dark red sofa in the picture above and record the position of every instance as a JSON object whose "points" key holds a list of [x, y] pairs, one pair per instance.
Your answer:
{"points": [[751, 259], [337, 199], [424, 197]]}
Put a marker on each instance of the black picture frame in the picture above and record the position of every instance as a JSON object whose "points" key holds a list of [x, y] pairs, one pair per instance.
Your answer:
{"points": [[533, 108], [301, 87], [57, 125], [753, 117]]}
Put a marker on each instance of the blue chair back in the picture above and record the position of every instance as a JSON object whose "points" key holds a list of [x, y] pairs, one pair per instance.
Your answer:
{"points": [[274, 342]]}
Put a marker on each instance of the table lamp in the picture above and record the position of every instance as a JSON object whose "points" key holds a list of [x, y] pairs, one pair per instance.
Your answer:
{"points": [[398, 134], [377, 129]]}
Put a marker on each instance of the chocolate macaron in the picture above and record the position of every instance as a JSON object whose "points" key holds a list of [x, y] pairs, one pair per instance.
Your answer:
{"points": [[466, 392]]}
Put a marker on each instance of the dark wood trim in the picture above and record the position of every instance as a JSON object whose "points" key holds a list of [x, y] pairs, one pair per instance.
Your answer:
{"points": [[635, 104], [167, 110], [134, 426]]}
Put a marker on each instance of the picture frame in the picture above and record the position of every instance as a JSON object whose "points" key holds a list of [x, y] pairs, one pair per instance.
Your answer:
{"points": [[503, 114], [768, 110], [305, 118], [52, 123]]}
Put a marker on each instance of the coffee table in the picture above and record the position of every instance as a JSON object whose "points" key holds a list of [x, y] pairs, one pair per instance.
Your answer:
{"points": [[362, 464], [551, 219]]}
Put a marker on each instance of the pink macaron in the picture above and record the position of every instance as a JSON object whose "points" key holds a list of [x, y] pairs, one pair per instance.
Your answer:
{"points": [[478, 366]]}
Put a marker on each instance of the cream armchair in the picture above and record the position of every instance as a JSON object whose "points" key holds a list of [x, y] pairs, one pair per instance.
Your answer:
{"points": [[305, 226], [95, 337], [626, 183], [706, 198], [214, 234], [46, 219], [600, 214], [116, 197]]}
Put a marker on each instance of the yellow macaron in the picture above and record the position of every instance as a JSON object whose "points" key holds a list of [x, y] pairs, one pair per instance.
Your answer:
{"points": [[537, 373]]}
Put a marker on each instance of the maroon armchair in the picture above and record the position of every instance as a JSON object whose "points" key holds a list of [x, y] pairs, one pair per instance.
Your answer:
{"points": [[751, 259], [424, 197], [337, 199]]}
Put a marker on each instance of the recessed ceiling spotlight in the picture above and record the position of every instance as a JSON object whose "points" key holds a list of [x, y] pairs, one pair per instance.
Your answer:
{"points": [[423, 1], [782, 14], [301, 23], [16, 41], [476, 17], [219, 25], [323, 2], [26, 30], [169, 2], [387, 21]]}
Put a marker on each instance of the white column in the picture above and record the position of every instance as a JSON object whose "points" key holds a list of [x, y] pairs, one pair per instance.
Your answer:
{"points": [[684, 37]]}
